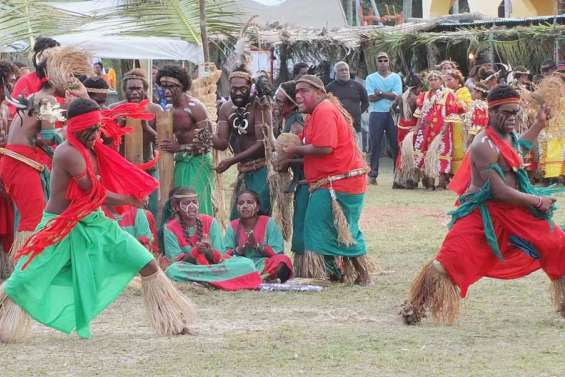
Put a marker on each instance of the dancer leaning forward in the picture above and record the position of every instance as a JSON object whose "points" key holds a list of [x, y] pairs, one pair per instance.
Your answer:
{"points": [[79, 261], [502, 227]]}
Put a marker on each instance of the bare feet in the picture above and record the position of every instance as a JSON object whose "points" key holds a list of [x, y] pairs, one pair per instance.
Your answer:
{"points": [[187, 331], [363, 280], [410, 315]]}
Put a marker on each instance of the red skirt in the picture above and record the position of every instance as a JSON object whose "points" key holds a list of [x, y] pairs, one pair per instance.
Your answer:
{"points": [[23, 185], [467, 257]]}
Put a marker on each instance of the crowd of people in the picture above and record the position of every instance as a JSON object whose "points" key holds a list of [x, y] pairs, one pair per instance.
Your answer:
{"points": [[78, 219]]}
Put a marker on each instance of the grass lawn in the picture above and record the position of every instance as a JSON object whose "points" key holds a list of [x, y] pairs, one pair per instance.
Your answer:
{"points": [[506, 328]]}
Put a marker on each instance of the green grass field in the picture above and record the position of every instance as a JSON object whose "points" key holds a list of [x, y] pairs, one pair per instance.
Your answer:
{"points": [[506, 328]]}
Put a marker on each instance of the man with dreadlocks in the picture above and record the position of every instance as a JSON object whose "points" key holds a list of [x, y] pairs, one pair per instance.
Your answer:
{"points": [[193, 133], [337, 178], [79, 261], [240, 126], [502, 227]]}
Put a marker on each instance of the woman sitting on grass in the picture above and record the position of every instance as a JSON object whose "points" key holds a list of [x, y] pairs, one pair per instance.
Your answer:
{"points": [[258, 238], [193, 244]]}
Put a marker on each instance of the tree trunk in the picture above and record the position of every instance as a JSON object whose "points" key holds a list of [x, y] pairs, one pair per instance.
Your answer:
{"points": [[204, 31], [349, 11]]}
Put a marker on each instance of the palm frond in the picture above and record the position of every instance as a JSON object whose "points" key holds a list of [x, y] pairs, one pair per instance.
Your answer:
{"points": [[24, 20], [173, 18]]}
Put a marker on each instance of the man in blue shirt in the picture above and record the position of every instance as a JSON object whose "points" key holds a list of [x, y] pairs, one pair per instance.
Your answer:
{"points": [[383, 87]]}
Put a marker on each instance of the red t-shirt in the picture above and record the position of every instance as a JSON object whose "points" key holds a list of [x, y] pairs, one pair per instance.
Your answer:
{"points": [[326, 127]]}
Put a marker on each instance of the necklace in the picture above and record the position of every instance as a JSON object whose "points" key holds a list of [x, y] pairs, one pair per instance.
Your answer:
{"points": [[239, 120]]}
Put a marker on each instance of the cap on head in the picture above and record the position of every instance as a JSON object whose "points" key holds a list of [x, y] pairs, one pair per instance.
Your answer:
{"points": [[382, 54]]}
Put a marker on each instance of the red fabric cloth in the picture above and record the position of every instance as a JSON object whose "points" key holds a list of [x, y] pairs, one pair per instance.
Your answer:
{"points": [[404, 127], [273, 263], [480, 117], [175, 227], [432, 123], [273, 260], [259, 232], [326, 127], [467, 257], [462, 178], [113, 130], [116, 175], [23, 185], [6, 221]]}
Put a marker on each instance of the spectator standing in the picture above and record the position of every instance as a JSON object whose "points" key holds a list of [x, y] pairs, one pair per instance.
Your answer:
{"points": [[383, 87], [352, 95]]}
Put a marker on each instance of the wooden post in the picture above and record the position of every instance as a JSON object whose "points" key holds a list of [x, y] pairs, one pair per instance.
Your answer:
{"points": [[133, 142], [164, 122]]}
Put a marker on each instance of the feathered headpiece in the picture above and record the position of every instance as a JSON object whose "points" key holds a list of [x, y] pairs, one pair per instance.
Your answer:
{"points": [[65, 64]]}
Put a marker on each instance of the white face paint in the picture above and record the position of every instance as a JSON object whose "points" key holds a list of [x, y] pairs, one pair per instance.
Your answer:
{"points": [[186, 207], [189, 206]]}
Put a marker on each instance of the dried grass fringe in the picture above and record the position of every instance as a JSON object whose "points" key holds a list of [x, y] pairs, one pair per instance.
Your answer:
{"points": [[407, 170], [558, 295], [20, 239], [431, 160], [169, 311], [350, 273], [313, 266], [15, 323], [6, 265], [218, 196], [344, 236], [433, 291], [284, 206], [64, 64], [298, 265]]}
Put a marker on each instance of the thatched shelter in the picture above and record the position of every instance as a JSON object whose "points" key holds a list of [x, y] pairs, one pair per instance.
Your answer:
{"points": [[417, 44], [527, 42]]}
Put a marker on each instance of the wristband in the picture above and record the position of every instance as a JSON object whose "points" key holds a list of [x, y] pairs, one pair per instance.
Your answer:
{"points": [[539, 203]]}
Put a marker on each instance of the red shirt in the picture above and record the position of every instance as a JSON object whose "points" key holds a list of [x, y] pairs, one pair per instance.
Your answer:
{"points": [[326, 127]]}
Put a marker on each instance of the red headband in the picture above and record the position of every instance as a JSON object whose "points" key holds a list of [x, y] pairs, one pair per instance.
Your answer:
{"points": [[84, 121], [504, 101]]}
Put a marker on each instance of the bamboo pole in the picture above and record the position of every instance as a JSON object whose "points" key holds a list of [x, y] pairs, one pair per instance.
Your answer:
{"points": [[164, 122], [133, 142]]}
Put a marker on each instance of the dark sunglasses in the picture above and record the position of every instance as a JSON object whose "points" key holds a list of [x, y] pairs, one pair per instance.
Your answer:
{"points": [[382, 60]]}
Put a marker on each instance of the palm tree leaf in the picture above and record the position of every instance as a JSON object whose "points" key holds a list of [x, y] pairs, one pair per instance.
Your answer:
{"points": [[24, 20], [173, 18]]}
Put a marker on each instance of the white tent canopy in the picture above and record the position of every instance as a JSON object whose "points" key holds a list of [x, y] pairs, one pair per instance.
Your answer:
{"points": [[131, 47], [106, 38]]}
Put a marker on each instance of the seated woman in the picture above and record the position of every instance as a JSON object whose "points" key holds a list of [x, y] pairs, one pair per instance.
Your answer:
{"points": [[258, 238], [193, 244]]}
